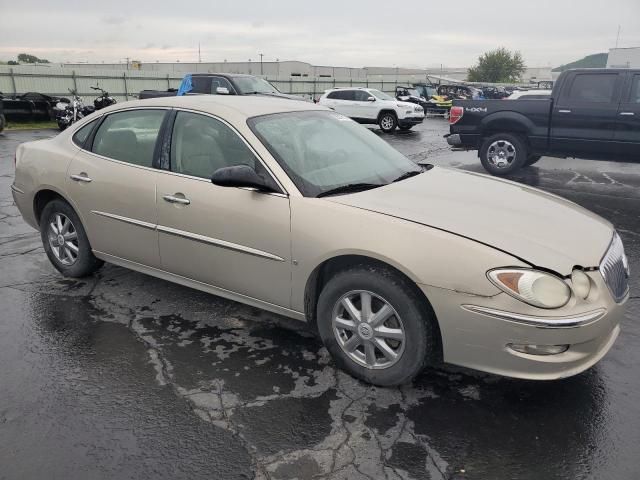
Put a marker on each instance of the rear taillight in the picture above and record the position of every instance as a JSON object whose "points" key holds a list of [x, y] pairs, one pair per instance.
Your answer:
{"points": [[455, 115]]}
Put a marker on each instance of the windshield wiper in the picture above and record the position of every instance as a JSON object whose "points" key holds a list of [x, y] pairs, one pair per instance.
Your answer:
{"points": [[409, 174], [349, 188]]}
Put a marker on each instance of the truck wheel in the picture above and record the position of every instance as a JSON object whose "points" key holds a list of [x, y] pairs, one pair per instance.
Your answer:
{"points": [[388, 122], [533, 159], [503, 153]]}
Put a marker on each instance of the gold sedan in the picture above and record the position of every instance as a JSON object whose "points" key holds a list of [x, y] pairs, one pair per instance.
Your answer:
{"points": [[298, 210]]}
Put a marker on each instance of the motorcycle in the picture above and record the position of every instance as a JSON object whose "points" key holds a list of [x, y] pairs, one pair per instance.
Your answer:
{"points": [[103, 100], [69, 113]]}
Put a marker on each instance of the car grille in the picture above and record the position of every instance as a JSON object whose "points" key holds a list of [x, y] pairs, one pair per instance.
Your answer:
{"points": [[615, 269]]}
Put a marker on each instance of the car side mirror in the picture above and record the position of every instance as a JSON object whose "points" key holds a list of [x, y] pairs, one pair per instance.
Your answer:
{"points": [[371, 99], [240, 176], [222, 91]]}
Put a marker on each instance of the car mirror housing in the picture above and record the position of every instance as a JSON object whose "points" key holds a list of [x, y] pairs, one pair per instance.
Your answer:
{"points": [[240, 176], [371, 99]]}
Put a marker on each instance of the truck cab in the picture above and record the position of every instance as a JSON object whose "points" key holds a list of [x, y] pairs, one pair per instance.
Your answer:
{"points": [[591, 113]]}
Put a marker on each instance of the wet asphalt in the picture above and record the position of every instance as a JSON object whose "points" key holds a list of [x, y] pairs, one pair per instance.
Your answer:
{"points": [[122, 375]]}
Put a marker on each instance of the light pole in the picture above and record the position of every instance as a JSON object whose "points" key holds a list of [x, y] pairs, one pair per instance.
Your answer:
{"points": [[261, 55]]}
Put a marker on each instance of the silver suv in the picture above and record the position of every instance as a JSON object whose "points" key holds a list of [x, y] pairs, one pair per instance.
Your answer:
{"points": [[368, 105]]}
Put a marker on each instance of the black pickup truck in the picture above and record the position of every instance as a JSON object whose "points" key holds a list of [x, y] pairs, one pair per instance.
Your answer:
{"points": [[592, 113]]}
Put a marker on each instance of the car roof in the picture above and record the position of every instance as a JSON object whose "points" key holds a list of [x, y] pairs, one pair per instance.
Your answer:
{"points": [[231, 107]]}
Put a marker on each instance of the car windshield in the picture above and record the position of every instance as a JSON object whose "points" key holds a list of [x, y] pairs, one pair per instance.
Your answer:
{"points": [[323, 151], [254, 85], [381, 95]]}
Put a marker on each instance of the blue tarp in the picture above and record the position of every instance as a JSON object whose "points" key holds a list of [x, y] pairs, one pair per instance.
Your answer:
{"points": [[186, 86]]}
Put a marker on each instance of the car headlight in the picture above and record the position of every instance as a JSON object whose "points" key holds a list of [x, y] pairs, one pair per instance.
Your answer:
{"points": [[534, 287]]}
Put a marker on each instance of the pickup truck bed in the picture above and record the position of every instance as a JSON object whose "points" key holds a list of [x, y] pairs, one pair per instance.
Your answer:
{"points": [[592, 113]]}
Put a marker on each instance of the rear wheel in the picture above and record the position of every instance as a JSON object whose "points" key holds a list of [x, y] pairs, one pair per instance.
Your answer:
{"points": [[503, 153], [375, 326], [65, 241], [388, 122]]}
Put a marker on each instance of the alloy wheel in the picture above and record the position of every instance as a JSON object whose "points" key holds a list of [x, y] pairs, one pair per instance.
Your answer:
{"points": [[501, 153], [63, 239], [386, 122], [368, 329]]}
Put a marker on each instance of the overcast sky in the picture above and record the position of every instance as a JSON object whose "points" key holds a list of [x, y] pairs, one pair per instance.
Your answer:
{"points": [[418, 33]]}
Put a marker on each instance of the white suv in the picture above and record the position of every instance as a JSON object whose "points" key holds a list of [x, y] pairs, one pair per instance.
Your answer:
{"points": [[368, 105]]}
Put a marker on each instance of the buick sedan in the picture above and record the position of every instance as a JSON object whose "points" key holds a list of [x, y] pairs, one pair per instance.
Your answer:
{"points": [[298, 210]]}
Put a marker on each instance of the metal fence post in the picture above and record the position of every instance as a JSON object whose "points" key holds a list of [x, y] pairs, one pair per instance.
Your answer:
{"points": [[290, 85], [126, 92], [168, 82], [75, 83], [13, 82]]}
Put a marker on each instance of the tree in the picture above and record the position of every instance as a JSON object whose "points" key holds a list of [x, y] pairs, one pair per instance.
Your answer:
{"points": [[497, 66], [12, 62], [26, 58]]}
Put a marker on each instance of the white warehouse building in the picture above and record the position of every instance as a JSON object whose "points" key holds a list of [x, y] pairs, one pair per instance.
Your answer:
{"points": [[624, 58]]}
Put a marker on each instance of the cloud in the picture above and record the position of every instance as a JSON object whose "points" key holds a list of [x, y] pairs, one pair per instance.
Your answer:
{"points": [[113, 20]]}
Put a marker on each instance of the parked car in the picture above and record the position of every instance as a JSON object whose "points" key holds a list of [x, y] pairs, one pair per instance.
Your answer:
{"points": [[3, 120], [591, 113], [459, 92], [220, 84], [411, 95], [435, 102], [368, 105], [298, 210], [30, 107], [494, 92], [530, 95]]}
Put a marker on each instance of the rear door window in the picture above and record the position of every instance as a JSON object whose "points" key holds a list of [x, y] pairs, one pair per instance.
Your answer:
{"points": [[80, 137], [593, 88], [129, 136]]}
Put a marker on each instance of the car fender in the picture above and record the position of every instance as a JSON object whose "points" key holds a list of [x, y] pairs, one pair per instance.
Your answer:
{"points": [[505, 122]]}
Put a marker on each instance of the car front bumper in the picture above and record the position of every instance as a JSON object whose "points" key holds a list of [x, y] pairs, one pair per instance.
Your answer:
{"points": [[406, 121], [480, 332]]}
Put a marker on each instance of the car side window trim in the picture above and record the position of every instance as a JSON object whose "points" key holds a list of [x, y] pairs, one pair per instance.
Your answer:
{"points": [[162, 153], [94, 126], [168, 134], [90, 140]]}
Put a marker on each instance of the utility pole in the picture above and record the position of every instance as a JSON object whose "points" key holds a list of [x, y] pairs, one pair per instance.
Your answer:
{"points": [[261, 55], [618, 36], [199, 56]]}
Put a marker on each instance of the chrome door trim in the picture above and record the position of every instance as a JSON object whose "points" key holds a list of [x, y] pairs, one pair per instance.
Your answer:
{"points": [[205, 287], [219, 243], [627, 114], [16, 189], [131, 221], [571, 321]]}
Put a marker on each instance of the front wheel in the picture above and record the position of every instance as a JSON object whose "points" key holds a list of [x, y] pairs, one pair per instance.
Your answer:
{"points": [[65, 241], [374, 325], [388, 122], [503, 153]]}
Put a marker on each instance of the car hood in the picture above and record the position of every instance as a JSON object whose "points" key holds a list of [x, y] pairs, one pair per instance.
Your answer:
{"points": [[541, 229]]}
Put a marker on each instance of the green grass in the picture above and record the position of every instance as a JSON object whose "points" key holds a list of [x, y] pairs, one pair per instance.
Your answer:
{"points": [[30, 125]]}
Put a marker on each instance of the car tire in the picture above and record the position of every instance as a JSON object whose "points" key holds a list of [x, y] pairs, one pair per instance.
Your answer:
{"points": [[65, 241], [503, 153], [388, 122], [411, 316], [533, 159], [405, 128]]}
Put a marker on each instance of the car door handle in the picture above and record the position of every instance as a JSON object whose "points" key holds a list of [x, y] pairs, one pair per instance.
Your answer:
{"points": [[80, 178], [564, 111], [173, 199], [627, 114]]}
